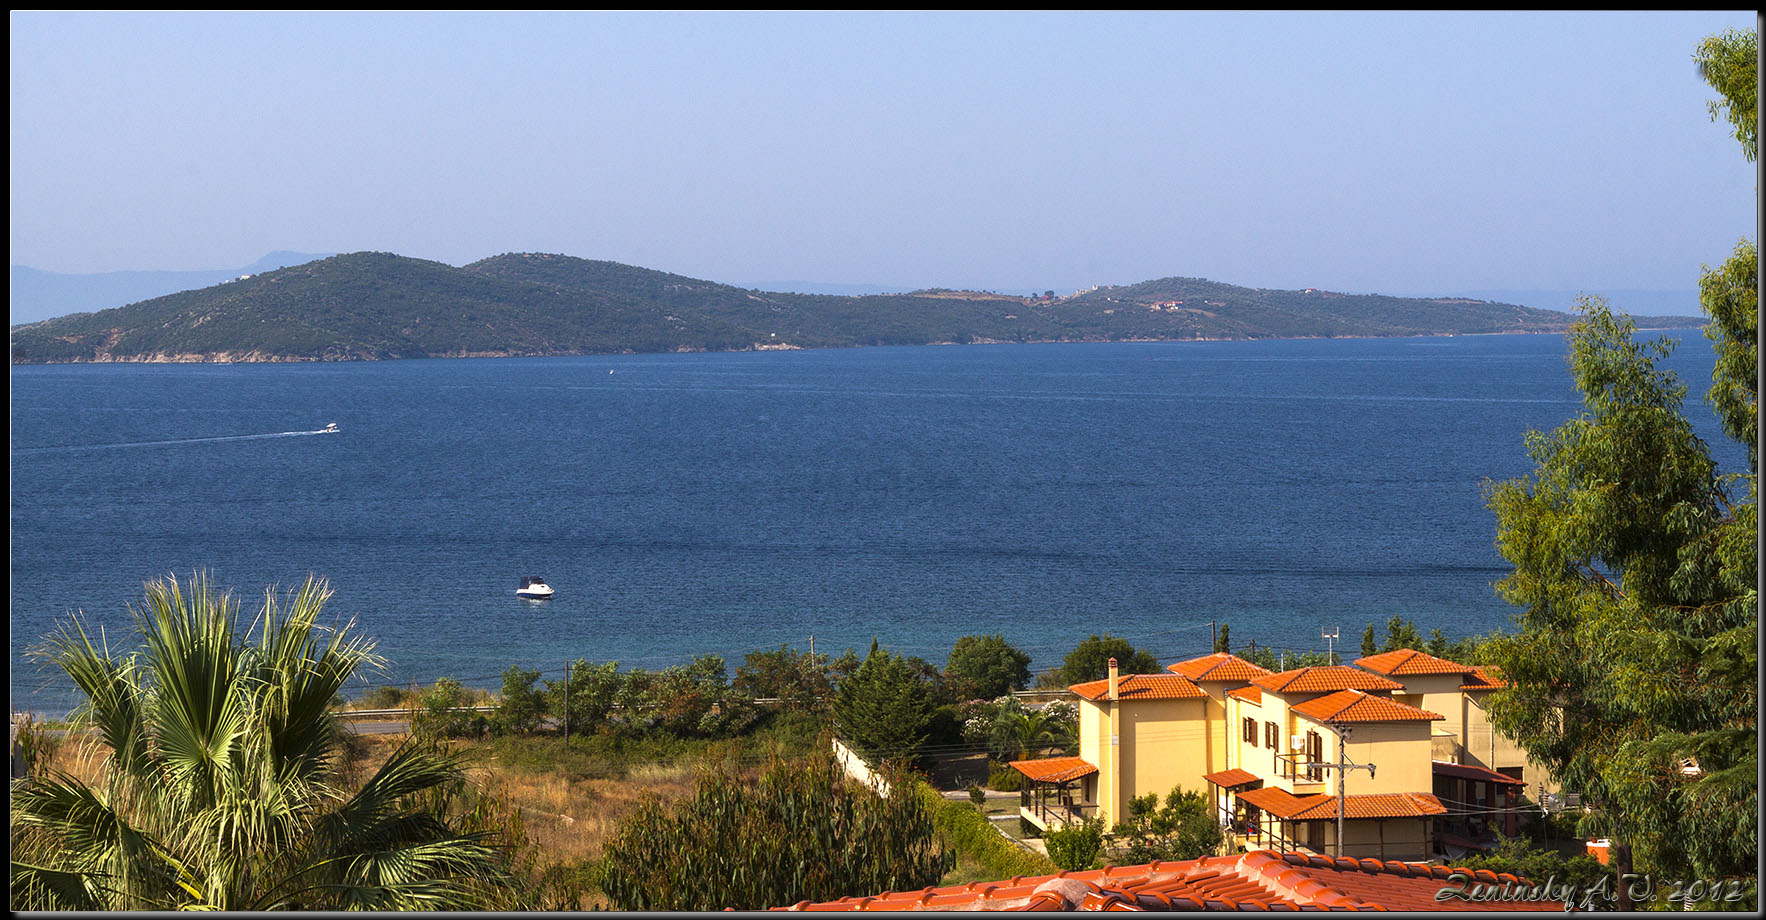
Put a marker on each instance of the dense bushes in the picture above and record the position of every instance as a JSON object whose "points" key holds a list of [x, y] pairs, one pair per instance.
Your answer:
{"points": [[976, 838], [802, 832]]}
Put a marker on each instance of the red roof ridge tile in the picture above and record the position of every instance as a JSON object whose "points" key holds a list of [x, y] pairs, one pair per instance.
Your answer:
{"points": [[1142, 687]]}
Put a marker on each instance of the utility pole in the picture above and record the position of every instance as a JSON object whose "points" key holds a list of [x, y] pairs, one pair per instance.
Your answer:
{"points": [[812, 648], [1330, 644], [1213, 636], [1342, 766]]}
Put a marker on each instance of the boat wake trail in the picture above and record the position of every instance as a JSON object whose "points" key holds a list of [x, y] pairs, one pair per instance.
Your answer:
{"points": [[27, 451]]}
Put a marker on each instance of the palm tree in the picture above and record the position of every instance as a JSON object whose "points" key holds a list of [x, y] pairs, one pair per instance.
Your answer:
{"points": [[222, 787]]}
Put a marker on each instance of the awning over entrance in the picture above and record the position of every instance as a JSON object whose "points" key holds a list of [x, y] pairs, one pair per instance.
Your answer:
{"points": [[1054, 769], [1232, 779]]}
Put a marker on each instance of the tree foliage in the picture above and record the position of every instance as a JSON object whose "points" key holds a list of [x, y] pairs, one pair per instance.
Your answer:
{"points": [[1076, 847], [985, 667], [1635, 563], [799, 680], [1090, 660], [1637, 654], [803, 831], [1183, 827], [221, 786], [884, 709]]}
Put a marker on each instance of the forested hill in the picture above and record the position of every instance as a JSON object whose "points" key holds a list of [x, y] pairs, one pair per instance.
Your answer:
{"points": [[367, 306]]}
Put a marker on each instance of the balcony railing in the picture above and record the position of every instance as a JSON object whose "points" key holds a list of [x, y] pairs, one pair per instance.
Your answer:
{"points": [[1053, 816], [1298, 766]]}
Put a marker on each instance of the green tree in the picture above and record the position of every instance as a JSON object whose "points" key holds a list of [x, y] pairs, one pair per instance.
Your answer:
{"points": [[1182, 828], [1634, 678], [222, 786], [1076, 847], [522, 705], [1637, 647], [1090, 660], [985, 667], [884, 709], [797, 679], [1224, 642], [1369, 644], [803, 831], [593, 691]]}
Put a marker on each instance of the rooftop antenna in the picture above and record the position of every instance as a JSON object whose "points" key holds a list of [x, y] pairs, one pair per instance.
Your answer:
{"points": [[1330, 644]]}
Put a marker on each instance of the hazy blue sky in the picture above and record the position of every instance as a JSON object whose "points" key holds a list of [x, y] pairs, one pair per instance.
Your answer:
{"points": [[1366, 152]]}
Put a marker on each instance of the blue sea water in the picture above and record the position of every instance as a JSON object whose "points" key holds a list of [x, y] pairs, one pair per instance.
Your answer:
{"points": [[724, 503]]}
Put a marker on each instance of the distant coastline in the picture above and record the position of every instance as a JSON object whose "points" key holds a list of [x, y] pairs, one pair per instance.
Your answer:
{"points": [[381, 306]]}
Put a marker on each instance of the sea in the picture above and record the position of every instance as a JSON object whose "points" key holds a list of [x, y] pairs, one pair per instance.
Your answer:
{"points": [[720, 504]]}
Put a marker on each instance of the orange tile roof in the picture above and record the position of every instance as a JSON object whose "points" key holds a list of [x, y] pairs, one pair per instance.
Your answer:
{"points": [[1474, 772], [1258, 880], [1054, 769], [1142, 687], [1325, 679], [1482, 678], [1248, 694], [1290, 807], [1408, 661], [1226, 779], [1356, 706], [1218, 666]]}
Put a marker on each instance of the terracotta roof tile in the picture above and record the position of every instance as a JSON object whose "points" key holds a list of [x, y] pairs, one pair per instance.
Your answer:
{"points": [[1472, 772], [1258, 880], [1482, 678], [1289, 807], [1142, 687], [1325, 679], [1249, 694], [1408, 661], [1356, 706], [1219, 666], [1054, 769], [1226, 779]]}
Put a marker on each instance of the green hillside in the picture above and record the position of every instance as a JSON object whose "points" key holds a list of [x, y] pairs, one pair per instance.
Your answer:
{"points": [[371, 306]]}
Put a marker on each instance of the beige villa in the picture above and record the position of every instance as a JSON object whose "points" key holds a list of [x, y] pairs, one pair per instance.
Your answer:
{"points": [[1401, 744]]}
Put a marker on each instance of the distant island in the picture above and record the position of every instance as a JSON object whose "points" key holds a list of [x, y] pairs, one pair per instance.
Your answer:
{"points": [[377, 306]]}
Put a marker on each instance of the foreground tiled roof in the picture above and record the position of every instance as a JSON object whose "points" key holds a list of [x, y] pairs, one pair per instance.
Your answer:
{"points": [[1482, 678], [1289, 807], [1408, 661], [1142, 687], [1249, 694], [1356, 706], [1054, 769], [1325, 679], [1218, 666], [1259, 880], [1472, 772]]}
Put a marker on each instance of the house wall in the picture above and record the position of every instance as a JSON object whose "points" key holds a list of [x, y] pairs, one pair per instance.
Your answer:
{"points": [[1142, 746], [1401, 752]]}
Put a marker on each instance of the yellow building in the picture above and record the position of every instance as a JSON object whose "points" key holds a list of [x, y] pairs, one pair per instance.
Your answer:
{"points": [[1282, 753]]}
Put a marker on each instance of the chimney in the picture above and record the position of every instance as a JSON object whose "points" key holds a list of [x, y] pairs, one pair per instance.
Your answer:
{"points": [[1113, 678]]}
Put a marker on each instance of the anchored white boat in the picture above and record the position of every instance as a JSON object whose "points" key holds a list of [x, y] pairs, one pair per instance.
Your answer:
{"points": [[534, 589]]}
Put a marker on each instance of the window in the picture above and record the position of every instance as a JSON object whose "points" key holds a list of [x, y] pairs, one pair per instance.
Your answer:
{"points": [[1270, 736], [1250, 733], [1314, 755]]}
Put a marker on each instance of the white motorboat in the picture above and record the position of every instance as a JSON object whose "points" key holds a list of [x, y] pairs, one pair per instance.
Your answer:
{"points": [[329, 429], [534, 589]]}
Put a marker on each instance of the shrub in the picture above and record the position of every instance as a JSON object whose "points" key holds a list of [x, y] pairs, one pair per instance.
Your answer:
{"points": [[803, 831], [1077, 847]]}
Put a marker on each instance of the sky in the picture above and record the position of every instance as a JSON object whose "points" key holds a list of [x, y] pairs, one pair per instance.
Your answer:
{"points": [[1387, 152]]}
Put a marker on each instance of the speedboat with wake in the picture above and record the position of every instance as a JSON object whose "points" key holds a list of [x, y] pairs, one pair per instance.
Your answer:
{"points": [[534, 589], [329, 429]]}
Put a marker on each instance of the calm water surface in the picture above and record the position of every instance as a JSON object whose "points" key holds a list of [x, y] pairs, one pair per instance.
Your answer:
{"points": [[723, 503]]}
